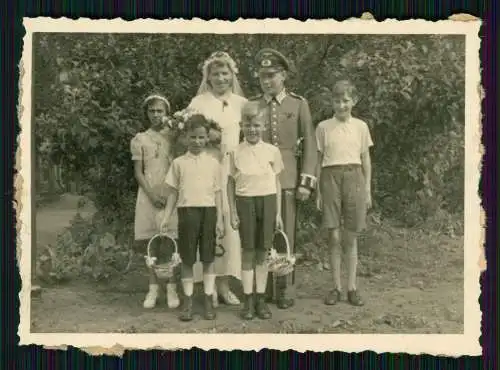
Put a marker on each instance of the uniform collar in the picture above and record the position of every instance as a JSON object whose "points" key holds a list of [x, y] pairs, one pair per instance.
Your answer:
{"points": [[279, 98]]}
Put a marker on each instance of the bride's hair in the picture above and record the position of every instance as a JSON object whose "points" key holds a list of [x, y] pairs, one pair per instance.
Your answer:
{"points": [[219, 58]]}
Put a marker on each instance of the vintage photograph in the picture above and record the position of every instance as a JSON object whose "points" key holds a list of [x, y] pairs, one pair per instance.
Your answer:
{"points": [[251, 183]]}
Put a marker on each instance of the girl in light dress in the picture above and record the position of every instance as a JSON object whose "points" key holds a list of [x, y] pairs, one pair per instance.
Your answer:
{"points": [[152, 155], [220, 98]]}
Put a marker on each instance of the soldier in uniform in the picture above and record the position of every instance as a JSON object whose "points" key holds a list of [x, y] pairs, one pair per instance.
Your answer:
{"points": [[289, 127]]}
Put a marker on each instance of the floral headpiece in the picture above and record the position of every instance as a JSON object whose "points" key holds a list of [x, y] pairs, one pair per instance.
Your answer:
{"points": [[177, 122], [219, 56], [156, 97]]}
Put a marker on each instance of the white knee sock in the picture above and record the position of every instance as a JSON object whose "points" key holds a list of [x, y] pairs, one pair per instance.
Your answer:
{"points": [[208, 283], [261, 273], [247, 281], [187, 286], [153, 288]]}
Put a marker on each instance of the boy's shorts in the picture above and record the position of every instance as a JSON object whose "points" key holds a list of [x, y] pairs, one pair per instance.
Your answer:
{"points": [[257, 221], [344, 196], [197, 228]]}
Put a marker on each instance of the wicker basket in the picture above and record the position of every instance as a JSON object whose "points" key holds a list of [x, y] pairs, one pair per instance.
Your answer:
{"points": [[280, 264], [163, 270]]}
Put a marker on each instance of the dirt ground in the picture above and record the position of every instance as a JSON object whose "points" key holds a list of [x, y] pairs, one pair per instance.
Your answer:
{"points": [[410, 285]]}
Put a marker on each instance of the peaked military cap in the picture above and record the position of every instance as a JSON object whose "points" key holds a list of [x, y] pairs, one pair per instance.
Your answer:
{"points": [[270, 60]]}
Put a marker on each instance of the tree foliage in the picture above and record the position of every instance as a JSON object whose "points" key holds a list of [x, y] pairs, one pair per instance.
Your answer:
{"points": [[89, 87]]}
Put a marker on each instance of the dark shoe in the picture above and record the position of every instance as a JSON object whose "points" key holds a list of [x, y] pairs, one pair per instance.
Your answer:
{"points": [[209, 308], [261, 308], [354, 298], [247, 313], [187, 309], [332, 298], [282, 302]]}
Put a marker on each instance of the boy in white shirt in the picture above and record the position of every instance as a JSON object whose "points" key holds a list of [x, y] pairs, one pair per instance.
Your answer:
{"points": [[344, 184], [254, 195], [195, 179]]}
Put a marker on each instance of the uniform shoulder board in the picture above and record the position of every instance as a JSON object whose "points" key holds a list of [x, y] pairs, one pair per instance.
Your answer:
{"points": [[296, 96], [255, 97]]}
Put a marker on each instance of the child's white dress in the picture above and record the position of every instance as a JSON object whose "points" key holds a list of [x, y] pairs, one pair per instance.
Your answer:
{"points": [[227, 114], [153, 149]]}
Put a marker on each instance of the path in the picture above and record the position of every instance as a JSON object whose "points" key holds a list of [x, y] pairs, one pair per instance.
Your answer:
{"points": [[410, 289]]}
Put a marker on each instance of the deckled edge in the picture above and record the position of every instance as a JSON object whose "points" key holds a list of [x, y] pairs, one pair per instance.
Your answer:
{"points": [[117, 349]]}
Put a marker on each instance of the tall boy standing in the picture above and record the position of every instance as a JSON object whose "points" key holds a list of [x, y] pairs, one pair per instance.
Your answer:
{"points": [[344, 171], [195, 178], [288, 121]]}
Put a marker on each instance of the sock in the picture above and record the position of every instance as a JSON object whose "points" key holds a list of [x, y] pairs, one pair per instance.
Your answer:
{"points": [[187, 286], [208, 283], [335, 261], [261, 274], [247, 281], [153, 288], [352, 264]]}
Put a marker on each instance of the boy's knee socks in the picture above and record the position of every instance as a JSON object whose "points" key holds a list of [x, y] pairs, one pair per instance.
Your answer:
{"points": [[261, 272], [247, 281], [187, 286], [208, 283]]}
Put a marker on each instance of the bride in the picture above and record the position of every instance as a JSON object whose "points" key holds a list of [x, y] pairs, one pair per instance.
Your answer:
{"points": [[220, 98]]}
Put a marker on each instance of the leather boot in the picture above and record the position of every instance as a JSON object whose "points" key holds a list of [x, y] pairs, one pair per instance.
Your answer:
{"points": [[247, 313], [261, 309], [209, 308], [283, 302], [187, 309]]}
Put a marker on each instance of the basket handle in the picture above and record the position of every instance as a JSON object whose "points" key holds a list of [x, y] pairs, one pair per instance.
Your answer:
{"points": [[157, 236], [288, 251]]}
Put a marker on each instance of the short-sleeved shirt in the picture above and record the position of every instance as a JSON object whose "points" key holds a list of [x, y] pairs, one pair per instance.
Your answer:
{"points": [[254, 168], [196, 178], [342, 142]]}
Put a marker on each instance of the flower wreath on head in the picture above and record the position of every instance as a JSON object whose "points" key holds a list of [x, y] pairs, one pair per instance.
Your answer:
{"points": [[219, 56], [176, 123]]}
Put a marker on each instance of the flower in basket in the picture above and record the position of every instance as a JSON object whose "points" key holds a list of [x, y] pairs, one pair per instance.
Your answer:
{"points": [[177, 122], [280, 264]]}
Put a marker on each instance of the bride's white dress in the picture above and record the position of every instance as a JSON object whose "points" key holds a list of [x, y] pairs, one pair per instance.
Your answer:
{"points": [[227, 113]]}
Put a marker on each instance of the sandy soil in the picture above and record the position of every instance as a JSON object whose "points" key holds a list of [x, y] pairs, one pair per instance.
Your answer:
{"points": [[410, 285]]}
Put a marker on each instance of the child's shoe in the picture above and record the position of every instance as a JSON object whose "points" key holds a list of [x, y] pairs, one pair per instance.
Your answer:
{"points": [[172, 297], [247, 313], [332, 298], [261, 308], [229, 298], [151, 297], [354, 298], [282, 301], [187, 309], [209, 308]]}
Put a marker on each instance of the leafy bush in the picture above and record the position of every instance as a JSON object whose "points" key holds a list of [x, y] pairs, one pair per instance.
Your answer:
{"points": [[89, 87]]}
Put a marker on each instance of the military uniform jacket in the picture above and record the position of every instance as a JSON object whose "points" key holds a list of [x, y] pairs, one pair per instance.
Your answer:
{"points": [[289, 127]]}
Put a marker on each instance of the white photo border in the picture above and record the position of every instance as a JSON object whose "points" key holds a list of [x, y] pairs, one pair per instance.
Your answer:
{"points": [[435, 344]]}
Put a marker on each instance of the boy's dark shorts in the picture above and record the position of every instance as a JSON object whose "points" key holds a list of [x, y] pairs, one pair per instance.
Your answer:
{"points": [[257, 221], [343, 193], [197, 228]]}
